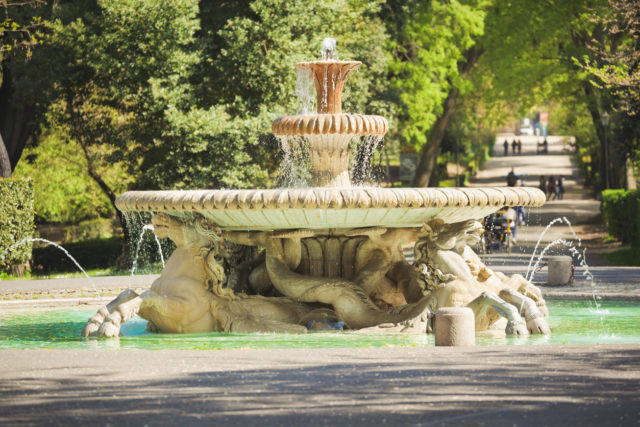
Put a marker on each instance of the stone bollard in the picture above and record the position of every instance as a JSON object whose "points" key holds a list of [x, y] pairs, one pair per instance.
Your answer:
{"points": [[455, 326], [560, 270]]}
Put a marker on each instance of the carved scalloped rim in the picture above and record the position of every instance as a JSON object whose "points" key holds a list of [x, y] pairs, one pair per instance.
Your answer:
{"points": [[316, 124], [327, 198], [328, 63]]}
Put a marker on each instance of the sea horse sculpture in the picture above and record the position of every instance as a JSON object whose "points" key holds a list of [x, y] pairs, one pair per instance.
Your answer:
{"points": [[190, 295], [381, 289]]}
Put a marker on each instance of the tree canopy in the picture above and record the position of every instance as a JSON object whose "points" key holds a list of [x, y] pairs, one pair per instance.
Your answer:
{"points": [[181, 94]]}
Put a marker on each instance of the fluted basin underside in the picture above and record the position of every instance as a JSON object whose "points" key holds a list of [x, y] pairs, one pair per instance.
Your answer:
{"points": [[322, 124], [321, 208]]}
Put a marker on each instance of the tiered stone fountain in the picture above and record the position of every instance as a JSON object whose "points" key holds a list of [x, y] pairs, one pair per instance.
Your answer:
{"points": [[285, 260]]}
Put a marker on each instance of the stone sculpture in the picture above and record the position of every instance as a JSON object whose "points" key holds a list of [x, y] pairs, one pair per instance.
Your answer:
{"points": [[286, 260]]}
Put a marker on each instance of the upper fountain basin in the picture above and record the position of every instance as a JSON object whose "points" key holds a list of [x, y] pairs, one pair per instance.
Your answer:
{"points": [[326, 124], [329, 78], [323, 208]]}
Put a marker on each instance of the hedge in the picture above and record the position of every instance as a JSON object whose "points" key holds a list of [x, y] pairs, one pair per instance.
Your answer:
{"points": [[90, 254], [621, 213], [16, 224]]}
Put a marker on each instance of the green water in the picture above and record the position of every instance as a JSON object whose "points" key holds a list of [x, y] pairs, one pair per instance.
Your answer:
{"points": [[571, 322]]}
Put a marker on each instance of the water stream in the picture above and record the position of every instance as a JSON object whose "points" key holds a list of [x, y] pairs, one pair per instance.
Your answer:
{"points": [[57, 246], [145, 228]]}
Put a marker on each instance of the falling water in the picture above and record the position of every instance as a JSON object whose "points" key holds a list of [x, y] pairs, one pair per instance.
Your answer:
{"points": [[295, 167], [57, 246], [361, 163], [137, 224], [145, 228], [305, 91]]}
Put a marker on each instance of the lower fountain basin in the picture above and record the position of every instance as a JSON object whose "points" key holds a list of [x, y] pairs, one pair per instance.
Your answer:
{"points": [[571, 321], [320, 208]]}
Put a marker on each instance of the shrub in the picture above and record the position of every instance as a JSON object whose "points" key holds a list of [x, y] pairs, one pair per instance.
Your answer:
{"points": [[16, 224], [621, 213]]}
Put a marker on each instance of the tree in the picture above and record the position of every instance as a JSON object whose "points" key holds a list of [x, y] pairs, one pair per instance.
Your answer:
{"points": [[435, 50], [613, 70], [18, 36]]}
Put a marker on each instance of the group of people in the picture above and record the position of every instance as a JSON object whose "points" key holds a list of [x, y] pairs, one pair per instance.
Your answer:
{"points": [[552, 187], [516, 145]]}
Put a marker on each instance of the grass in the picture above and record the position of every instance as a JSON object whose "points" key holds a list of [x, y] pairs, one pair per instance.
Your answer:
{"points": [[155, 268], [625, 257]]}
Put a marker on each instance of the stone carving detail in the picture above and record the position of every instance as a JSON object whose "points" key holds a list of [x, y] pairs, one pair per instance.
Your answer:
{"points": [[330, 124], [190, 295], [453, 275], [304, 277], [328, 198]]}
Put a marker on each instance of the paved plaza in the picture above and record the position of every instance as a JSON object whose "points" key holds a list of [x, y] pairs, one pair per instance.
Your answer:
{"points": [[499, 386]]}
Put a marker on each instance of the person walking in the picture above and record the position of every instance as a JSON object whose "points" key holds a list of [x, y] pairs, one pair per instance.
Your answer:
{"points": [[551, 188], [560, 188], [543, 185], [514, 145], [506, 147], [512, 178], [519, 147]]}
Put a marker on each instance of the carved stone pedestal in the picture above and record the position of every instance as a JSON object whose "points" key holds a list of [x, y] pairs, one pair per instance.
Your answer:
{"points": [[455, 326]]}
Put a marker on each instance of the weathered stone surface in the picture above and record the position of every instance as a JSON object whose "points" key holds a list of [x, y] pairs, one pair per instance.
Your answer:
{"points": [[454, 327], [560, 270]]}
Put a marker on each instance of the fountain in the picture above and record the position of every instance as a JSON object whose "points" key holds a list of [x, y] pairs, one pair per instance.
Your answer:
{"points": [[293, 259]]}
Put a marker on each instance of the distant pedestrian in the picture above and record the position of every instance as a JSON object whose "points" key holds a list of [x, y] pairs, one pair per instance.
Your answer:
{"points": [[560, 188], [519, 147], [545, 146], [551, 188], [506, 147], [543, 184], [514, 145], [512, 178]]}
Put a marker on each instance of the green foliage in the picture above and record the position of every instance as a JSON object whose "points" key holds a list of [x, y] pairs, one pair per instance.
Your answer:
{"points": [[16, 223], [19, 30], [625, 257], [255, 65], [63, 191], [433, 40], [621, 213]]}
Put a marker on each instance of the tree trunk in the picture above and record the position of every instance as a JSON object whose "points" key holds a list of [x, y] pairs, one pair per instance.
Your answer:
{"points": [[431, 150], [5, 163], [15, 121], [124, 260], [601, 132]]}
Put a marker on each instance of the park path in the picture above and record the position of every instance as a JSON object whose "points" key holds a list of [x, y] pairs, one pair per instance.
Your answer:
{"points": [[578, 206]]}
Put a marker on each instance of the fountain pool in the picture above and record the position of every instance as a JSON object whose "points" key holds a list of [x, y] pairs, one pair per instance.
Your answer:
{"points": [[572, 322]]}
